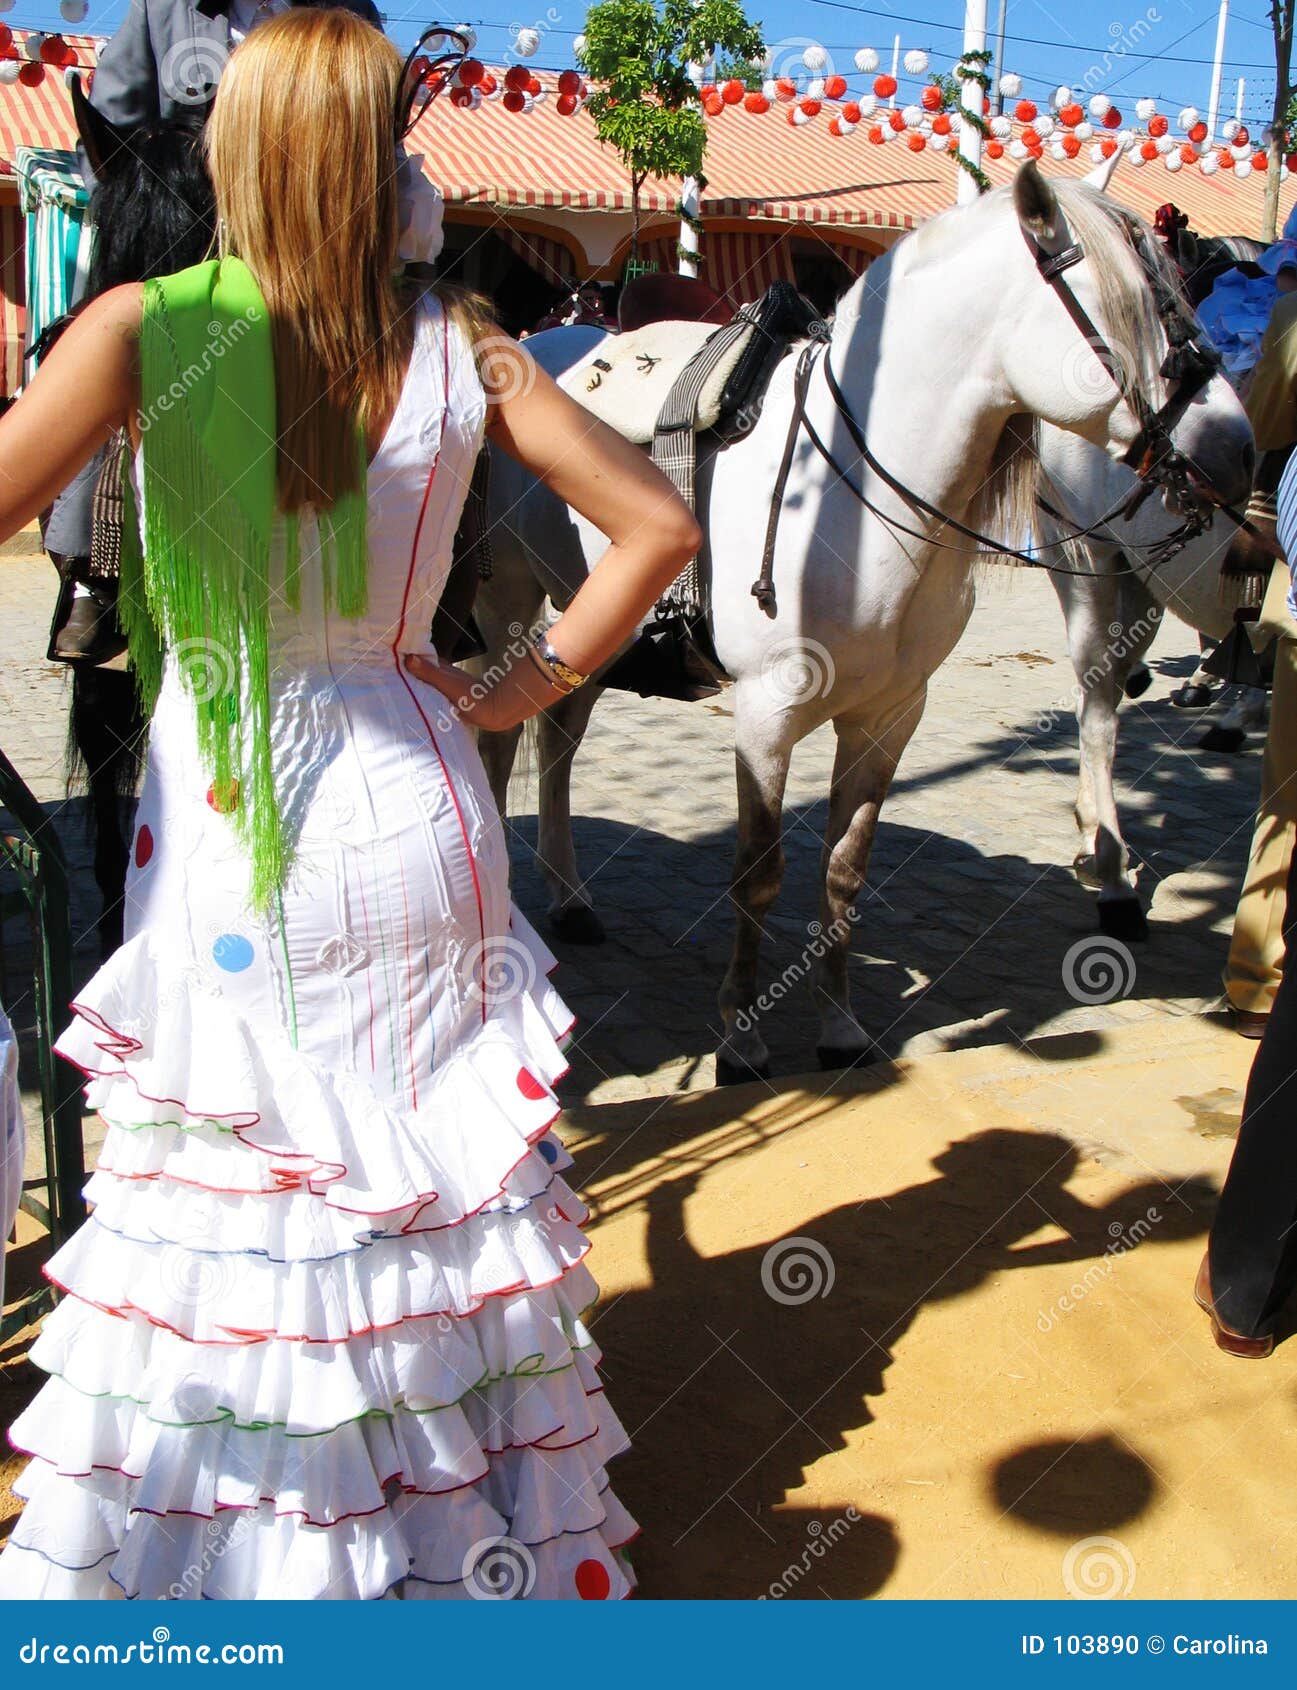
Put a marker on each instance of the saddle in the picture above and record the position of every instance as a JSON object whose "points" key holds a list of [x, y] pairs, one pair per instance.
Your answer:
{"points": [[664, 385]]}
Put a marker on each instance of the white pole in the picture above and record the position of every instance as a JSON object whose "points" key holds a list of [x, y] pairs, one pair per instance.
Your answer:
{"points": [[1213, 104], [970, 99], [688, 234], [896, 65], [1238, 109]]}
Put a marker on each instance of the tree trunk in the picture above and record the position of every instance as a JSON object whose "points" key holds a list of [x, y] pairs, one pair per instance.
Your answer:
{"points": [[636, 183], [1281, 22]]}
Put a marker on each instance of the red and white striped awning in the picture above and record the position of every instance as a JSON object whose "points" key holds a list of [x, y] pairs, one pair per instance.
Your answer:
{"points": [[552, 260], [13, 294], [40, 116]]}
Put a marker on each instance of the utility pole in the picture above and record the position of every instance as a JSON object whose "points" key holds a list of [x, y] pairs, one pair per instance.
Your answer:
{"points": [[996, 96], [1213, 104]]}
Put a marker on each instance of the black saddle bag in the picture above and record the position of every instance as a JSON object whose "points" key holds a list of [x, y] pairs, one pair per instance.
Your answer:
{"points": [[780, 317]]}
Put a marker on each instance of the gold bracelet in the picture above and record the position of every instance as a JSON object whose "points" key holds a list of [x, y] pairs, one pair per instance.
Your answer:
{"points": [[564, 672], [549, 675]]}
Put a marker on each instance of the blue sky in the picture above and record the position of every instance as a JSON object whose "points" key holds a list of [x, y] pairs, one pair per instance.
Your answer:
{"points": [[1125, 48]]}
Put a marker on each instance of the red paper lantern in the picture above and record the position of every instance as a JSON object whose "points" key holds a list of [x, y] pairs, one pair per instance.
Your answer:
{"points": [[786, 88], [1158, 125], [811, 107], [1291, 161], [471, 73], [1069, 116], [1226, 158], [852, 112], [1030, 138], [941, 123], [1071, 145], [1241, 139], [835, 86], [835, 125], [916, 141], [733, 91], [533, 86], [930, 99], [1025, 111], [1038, 151], [713, 105], [566, 104], [884, 87], [462, 97], [1148, 151], [53, 49], [514, 100], [1258, 161], [1188, 152], [1107, 147], [1112, 118], [755, 101], [31, 75], [569, 82], [488, 85], [995, 149], [1198, 132], [516, 79], [876, 134], [6, 35], [896, 120]]}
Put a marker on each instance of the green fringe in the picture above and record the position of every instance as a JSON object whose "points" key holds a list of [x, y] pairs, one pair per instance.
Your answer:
{"points": [[201, 591]]}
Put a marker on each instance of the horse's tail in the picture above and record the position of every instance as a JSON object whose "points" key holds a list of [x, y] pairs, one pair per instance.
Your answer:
{"points": [[105, 734]]}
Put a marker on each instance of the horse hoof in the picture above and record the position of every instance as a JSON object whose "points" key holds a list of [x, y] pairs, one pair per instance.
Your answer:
{"points": [[577, 925], [1123, 918], [1193, 695], [1223, 739], [831, 1057], [1138, 681], [731, 1073]]}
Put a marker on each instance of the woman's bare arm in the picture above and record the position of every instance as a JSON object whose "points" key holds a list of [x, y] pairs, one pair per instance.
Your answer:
{"points": [[652, 532], [86, 387]]}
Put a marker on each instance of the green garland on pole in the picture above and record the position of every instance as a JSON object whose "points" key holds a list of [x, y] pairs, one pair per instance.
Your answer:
{"points": [[694, 223], [975, 67]]}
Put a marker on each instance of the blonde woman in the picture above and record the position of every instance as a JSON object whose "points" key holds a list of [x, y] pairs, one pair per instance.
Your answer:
{"points": [[323, 1331]]}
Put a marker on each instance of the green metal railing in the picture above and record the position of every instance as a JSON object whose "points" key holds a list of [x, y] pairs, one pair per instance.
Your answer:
{"points": [[35, 884]]}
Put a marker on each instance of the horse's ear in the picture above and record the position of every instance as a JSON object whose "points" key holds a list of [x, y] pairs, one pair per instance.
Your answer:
{"points": [[101, 139], [1102, 174], [1035, 202]]}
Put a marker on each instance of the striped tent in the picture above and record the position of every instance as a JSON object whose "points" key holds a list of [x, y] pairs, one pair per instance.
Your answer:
{"points": [[60, 239], [13, 294]]}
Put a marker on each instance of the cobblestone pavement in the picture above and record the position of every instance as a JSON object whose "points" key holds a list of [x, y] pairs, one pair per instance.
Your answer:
{"points": [[972, 905]]}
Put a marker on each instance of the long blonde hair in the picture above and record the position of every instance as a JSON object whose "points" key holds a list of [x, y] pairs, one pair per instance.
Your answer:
{"points": [[304, 166]]}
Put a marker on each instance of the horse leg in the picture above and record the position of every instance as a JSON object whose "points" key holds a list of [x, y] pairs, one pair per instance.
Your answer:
{"points": [[762, 774], [863, 766], [1101, 660], [561, 729]]}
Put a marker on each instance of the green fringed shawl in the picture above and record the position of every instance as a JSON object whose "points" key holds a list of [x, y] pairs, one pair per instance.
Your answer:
{"points": [[200, 592]]}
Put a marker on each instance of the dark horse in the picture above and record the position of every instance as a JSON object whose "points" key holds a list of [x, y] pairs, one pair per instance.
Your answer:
{"points": [[154, 213]]}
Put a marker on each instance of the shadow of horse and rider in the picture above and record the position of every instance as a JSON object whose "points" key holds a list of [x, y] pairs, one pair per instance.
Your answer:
{"points": [[731, 1393]]}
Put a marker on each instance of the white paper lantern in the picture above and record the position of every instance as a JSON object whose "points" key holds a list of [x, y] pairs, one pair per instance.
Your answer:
{"points": [[578, 45], [866, 60], [815, 88], [868, 104], [915, 62], [1011, 85], [1017, 149], [1241, 149], [1056, 151], [1243, 169], [1096, 152], [798, 116], [543, 95], [1062, 96], [1188, 117], [526, 43], [1083, 131], [1209, 164], [913, 116], [939, 143], [1230, 128], [1173, 161], [1100, 106], [1125, 139], [1144, 109], [9, 70], [69, 71], [73, 11], [1001, 128], [770, 88], [32, 45], [470, 34], [815, 58], [1165, 143], [1044, 126], [1137, 160], [7, 6]]}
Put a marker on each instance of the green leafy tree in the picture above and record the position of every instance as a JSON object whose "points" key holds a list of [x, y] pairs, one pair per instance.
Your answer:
{"points": [[644, 105]]}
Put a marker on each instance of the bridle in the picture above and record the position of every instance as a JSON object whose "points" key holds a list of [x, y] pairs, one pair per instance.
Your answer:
{"points": [[1157, 462]]}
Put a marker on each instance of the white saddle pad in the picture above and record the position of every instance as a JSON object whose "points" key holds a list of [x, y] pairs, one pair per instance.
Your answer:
{"points": [[644, 364]]}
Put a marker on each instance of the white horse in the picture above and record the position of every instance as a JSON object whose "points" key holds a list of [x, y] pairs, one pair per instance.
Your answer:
{"points": [[945, 351], [1113, 607]]}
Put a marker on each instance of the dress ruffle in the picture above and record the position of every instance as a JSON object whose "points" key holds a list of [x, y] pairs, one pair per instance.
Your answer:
{"points": [[313, 1344]]}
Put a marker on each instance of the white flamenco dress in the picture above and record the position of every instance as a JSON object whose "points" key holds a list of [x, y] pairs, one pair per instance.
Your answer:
{"points": [[323, 1333]]}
